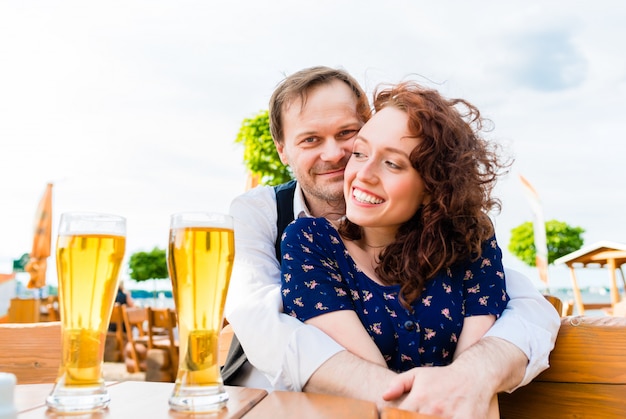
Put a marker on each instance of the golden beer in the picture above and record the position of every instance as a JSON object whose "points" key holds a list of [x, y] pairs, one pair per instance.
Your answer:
{"points": [[88, 266], [89, 252], [200, 259]]}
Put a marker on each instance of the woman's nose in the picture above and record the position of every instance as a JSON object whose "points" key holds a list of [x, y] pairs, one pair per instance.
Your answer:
{"points": [[367, 172]]}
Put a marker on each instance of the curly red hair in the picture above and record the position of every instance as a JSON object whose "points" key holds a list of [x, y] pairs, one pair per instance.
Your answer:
{"points": [[459, 169]]}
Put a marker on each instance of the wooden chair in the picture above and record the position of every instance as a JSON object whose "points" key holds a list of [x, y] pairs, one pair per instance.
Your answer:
{"points": [[135, 321], [25, 310], [49, 309], [619, 309], [568, 308], [114, 347], [31, 351], [586, 378], [556, 303], [160, 322], [161, 325]]}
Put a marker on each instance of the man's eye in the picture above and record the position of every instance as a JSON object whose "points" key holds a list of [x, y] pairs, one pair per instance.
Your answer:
{"points": [[309, 140], [348, 133]]}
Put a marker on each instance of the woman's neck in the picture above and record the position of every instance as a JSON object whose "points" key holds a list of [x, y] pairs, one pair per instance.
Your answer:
{"points": [[375, 239], [366, 250]]}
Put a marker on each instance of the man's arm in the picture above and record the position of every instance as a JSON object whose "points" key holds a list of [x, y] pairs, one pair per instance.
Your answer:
{"points": [[345, 327], [284, 349], [345, 374], [530, 323], [511, 354], [464, 388]]}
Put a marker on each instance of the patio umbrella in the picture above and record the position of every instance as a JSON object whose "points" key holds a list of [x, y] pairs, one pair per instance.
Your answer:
{"points": [[42, 238]]}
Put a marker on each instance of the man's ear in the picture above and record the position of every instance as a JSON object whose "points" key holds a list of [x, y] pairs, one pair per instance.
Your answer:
{"points": [[280, 148]]}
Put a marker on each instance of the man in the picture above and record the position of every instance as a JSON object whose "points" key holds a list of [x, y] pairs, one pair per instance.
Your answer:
{"points": [[315, 115]]}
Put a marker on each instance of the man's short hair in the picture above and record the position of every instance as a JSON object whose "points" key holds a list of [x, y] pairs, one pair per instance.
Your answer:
{"points": [[300, 83]]}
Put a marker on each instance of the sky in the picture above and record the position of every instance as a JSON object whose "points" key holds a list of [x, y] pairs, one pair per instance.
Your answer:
{"points": [[132, 107]]}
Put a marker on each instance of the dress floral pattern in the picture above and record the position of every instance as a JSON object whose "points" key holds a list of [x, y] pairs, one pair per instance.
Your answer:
{"points": [[319, 276]]}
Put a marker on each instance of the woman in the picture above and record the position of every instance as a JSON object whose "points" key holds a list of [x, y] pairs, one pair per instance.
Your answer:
{"points": [[415, 260], [124, 298]]}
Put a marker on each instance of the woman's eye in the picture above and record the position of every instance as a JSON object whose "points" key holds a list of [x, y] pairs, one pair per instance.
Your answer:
{"points": [[392, 165], [357, 154]]}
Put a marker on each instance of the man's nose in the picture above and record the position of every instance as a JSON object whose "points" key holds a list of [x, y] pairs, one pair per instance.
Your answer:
{"points": [[334, 151]]}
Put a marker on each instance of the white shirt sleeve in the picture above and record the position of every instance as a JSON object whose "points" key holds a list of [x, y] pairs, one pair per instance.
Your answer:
{"points": [[284, 349], [529, 322]]}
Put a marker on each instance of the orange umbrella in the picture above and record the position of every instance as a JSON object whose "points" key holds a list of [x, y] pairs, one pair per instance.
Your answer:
{"points": [[42, 238], [252, 180]]}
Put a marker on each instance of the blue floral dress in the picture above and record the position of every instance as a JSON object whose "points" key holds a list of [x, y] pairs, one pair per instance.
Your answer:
{"points": [[319, 276]]}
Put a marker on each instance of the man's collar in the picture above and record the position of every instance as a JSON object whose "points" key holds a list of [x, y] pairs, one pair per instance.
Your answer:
{"points": [[299, 205]]}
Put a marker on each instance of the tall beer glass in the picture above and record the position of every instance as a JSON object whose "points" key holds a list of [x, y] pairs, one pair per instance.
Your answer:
{"points": [[90, 248], [200, 259]]}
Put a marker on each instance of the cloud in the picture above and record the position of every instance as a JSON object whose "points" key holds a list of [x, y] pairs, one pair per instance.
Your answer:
{"points": [[132, 106], [548, 60]]}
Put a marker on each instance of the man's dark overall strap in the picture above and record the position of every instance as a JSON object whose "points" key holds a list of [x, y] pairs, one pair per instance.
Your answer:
{"points": [[284, 208]]}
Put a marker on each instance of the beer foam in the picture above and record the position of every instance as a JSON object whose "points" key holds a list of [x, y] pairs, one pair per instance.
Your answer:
{"points": [[201, 219], [79, 223], [92, 233]]}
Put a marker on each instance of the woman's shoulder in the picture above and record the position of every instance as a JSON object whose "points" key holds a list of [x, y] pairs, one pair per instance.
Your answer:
{"points": [[311, 224], [310, 227], [491, 247]]}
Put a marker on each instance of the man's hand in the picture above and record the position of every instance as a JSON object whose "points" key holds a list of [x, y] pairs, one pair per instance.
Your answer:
{"points": [[464, 388], [440, 391]]}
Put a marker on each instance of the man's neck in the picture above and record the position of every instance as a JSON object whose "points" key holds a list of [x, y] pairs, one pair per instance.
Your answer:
{"points": [[333, 210]]}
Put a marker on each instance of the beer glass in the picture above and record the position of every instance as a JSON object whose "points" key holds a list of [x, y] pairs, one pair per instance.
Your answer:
{"points": [[89, 252], [200, 259]]}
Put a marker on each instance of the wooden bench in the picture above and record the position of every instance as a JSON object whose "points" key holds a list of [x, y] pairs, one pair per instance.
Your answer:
{"points": [[31, 351], [586, 378]]}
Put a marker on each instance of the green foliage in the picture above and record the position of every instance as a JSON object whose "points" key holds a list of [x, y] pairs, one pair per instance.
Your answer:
{"points": [[561, 238], [148, 265], [19, 265], [260, 155]]}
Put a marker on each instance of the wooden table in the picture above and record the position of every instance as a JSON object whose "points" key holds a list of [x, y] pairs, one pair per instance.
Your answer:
{"points": [[284, 404], [393, 413], [141, 399], [134, 399]]}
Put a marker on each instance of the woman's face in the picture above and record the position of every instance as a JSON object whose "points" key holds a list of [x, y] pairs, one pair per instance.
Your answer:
{"points": [[382, 189]]}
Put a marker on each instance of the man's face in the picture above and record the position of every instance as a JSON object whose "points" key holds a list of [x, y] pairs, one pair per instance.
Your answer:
{"points": [[318, 137]]}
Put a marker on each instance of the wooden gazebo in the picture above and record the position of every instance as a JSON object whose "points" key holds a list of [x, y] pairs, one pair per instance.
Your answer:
{"points": [[601, 254]]}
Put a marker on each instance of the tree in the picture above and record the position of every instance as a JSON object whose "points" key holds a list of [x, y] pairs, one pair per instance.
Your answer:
{"points": [[561, 238], [260, 155], [144, 266], [19, 265]]}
